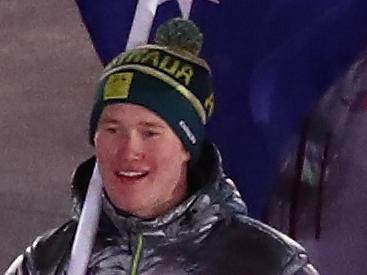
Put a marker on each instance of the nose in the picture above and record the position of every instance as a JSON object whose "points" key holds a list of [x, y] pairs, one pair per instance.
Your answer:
{"points": [[130, 147]]}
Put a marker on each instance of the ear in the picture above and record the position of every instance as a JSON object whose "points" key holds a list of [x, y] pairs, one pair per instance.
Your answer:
{"points": [[95, 138], [187, 156]]}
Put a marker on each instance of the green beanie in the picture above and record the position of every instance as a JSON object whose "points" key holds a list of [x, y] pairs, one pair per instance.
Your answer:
{"points": [[167, 78]]}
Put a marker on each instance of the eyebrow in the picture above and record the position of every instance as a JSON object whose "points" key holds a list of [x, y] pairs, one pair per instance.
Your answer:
{"points": [[109, 120], [151, 124]]}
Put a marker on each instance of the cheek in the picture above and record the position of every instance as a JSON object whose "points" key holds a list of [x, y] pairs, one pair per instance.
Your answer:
{"points": [[168, 156], [103, 147], [165, 152]]}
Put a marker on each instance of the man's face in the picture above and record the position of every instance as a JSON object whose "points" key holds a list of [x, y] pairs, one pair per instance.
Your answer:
{"points": [[143, 163]]}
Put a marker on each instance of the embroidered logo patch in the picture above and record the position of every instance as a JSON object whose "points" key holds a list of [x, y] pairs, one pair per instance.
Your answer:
{"points": [[187, 131], [118, 86]]}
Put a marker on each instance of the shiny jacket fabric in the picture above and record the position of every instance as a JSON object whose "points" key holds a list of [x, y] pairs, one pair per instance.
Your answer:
{"points": [[207, 234]]}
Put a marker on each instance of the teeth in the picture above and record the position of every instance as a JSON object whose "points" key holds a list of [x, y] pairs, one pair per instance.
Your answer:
{"points": [[131, 173]]}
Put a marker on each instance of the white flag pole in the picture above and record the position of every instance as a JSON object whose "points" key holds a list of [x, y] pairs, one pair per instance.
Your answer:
{"points": [[185, 7], [87, 226], [142, 23]]}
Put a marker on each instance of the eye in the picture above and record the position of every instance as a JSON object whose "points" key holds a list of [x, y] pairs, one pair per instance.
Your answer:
{"points": [[150, 133], [111, 130]]}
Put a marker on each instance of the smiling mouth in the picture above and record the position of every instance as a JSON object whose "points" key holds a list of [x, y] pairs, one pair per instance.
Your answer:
{"points": [[131, 176]]}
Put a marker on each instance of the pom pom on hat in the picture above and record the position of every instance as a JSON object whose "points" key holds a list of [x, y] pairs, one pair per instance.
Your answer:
{"points": [[180, 34]]}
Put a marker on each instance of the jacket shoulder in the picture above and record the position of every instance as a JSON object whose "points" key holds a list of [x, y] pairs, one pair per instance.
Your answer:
{"points": [[46, 252], [249, 246], [283, 253], [253, 226], [51, 247]]}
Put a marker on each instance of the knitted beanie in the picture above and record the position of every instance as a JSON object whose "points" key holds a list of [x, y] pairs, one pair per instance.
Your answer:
{"points": [[167, 78]]}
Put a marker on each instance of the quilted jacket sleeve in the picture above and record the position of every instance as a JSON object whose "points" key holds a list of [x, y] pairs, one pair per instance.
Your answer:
{"points": [[307, 270], [46, 253], [19, 267]]}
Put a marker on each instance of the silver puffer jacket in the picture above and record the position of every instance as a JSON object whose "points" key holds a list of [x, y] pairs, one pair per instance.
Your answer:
{"points": [[207, 234]]}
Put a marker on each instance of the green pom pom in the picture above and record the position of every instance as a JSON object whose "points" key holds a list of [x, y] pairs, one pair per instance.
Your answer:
{"points": [[180, 34]]}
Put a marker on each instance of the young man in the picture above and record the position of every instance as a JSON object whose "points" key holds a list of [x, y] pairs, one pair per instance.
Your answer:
{"points": [[167, 207]]}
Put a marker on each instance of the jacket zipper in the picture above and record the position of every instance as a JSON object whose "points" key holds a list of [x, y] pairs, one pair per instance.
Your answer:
{"points": [[137, 256]]}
